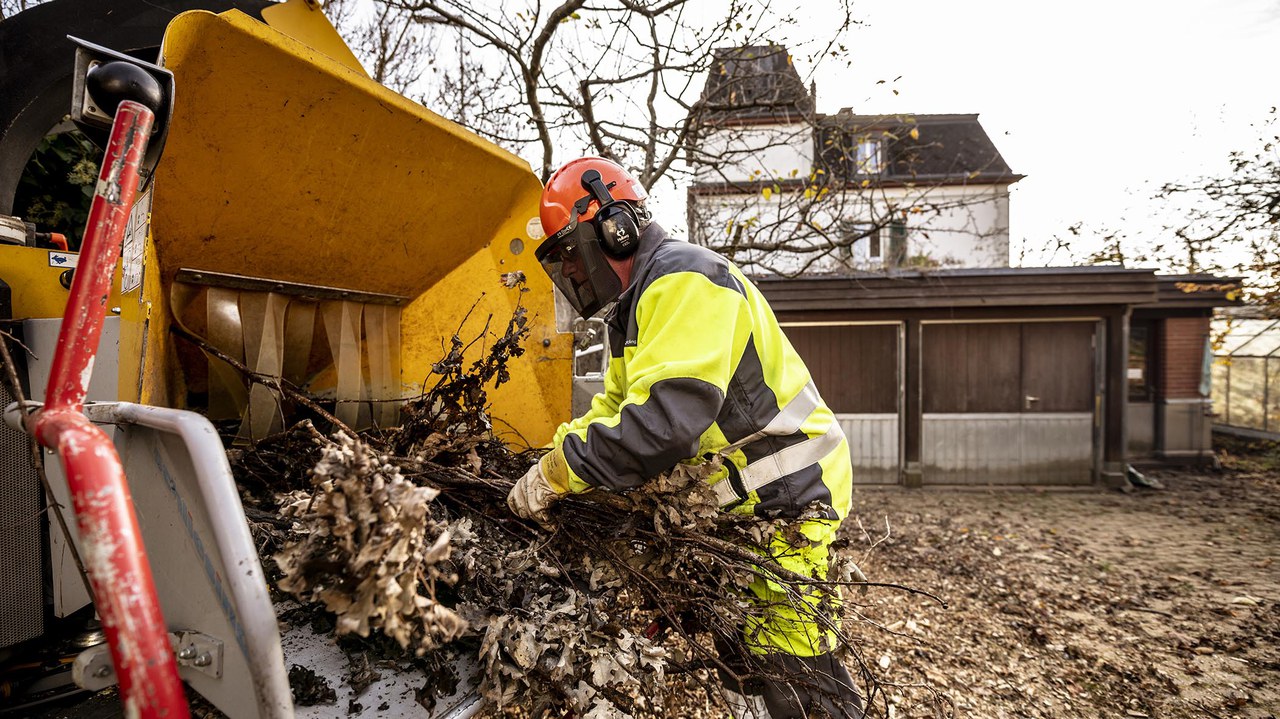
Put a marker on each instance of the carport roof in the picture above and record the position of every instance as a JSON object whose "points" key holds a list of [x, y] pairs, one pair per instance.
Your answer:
{"points": [[1201, 292], [970, 288]]}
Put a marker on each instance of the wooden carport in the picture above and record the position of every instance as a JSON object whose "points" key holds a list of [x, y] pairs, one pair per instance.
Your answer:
{"points": [[1010, 376]]}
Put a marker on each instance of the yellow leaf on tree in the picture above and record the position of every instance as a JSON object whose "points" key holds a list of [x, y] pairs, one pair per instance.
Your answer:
{"points": [[767, 192], [915, 133]]}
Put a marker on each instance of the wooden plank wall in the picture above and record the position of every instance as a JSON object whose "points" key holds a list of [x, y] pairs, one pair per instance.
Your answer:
{"points": [[854, 366]]}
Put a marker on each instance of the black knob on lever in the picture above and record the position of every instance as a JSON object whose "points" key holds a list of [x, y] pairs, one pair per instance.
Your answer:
{"points": [[111, 83]]}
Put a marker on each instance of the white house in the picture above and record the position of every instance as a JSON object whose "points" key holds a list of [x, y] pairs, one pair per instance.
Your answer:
{"points": [[781, 188]]}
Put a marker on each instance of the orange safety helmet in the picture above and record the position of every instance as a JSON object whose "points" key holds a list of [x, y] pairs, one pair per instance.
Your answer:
{"points": [[589, 213], [565, 202]]}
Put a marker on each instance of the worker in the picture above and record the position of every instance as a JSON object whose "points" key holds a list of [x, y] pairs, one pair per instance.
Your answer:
{"points": [[698, 367]]}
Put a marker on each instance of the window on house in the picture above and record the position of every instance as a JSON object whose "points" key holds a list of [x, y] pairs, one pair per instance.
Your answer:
{"points": [[868, 159], [859, 241], [1139, 372]]}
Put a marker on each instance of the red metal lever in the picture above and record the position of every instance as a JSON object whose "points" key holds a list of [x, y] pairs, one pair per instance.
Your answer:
{"points": [[124, 593]]}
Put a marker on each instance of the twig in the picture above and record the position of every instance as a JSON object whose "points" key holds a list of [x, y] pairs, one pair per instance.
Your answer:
{"points": [[272, 518], [266, 380], [462, 478]]}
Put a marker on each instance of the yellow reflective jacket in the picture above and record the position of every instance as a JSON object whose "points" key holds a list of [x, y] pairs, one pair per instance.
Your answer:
{"points": [[700, 367]]}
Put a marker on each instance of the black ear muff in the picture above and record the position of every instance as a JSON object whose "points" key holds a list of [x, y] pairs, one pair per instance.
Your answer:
{"points": [[619, 229], [616, 222]]}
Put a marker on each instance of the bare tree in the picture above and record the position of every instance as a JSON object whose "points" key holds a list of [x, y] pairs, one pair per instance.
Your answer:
{"points": [[392, 48], [620, 80], [640, 82], [1232, 222], [1226, 224]]}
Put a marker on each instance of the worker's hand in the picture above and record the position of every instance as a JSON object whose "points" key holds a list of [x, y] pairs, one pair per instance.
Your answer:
{"points": [[533, 496]]}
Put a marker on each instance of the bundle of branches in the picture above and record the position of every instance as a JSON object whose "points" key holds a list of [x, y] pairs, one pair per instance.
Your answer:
{"points": [[616, 611]]}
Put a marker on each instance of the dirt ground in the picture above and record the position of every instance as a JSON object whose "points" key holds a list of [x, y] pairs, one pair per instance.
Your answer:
{"points": [[1155, 603]]}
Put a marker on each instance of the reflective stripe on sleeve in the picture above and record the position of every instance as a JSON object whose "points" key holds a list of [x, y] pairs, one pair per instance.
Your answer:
{"points": [[780, 464], [787, 421]]}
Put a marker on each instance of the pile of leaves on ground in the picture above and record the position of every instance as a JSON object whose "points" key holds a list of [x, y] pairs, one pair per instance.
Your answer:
{"points": [[1154, 603], [403, 537]]}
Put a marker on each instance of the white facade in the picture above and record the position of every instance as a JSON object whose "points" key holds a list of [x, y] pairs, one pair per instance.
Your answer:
{"points": [[760, 203], [755, 152], [943, 226]]}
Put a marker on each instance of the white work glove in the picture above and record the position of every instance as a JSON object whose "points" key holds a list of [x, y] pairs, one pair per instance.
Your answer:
{"points": [[532, 497]]}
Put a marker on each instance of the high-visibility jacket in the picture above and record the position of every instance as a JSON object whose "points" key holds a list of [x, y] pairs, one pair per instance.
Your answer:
{"points": [[699, 367]]}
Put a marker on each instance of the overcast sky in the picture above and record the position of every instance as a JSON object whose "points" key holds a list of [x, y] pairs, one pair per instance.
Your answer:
{"points": [[1097, 103]]}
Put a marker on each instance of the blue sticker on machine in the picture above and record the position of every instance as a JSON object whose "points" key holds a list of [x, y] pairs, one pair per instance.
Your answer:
{"points": [[63, 259]]}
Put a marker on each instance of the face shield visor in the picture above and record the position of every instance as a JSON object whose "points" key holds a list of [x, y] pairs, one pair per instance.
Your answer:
{"points": [[574, 260]]}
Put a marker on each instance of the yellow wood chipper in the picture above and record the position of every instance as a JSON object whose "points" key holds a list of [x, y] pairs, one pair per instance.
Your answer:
{"points": [[262, 196]]}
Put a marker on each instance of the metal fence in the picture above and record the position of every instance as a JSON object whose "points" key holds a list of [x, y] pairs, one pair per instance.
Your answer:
{"points": [[1246, 376]]}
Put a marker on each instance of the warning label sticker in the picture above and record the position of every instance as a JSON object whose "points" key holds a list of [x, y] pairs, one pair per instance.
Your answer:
{"points": [[135, 243]]}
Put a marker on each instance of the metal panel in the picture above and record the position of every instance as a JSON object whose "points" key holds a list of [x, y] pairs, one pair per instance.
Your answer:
{"points": [[1187, 428], [584, 390], [1046, 448], [208, 576], [69, 592], [1140, 418], [21, 600], [1057, 448], [392, 693], [970, 448], [873, 446]]}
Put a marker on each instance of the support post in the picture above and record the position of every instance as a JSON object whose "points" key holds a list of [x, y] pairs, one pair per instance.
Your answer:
{"points": [[912, 407], [1115, 432]]}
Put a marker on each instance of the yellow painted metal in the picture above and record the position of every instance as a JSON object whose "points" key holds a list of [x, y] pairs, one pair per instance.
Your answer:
{"points": [[145, 340], [33, 281], [283, 164], [538, 398], [303, 21]]}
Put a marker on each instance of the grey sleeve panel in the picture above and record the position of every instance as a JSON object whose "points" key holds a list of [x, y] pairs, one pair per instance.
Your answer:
{"points": [[649, 438], [683, 257], [790, 495]]}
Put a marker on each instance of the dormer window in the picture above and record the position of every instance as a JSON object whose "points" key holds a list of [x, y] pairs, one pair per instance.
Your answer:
{"points": [[868, 157]]}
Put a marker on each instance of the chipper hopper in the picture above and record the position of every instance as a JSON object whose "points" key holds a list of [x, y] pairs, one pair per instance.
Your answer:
{"points": [[274, 212]]}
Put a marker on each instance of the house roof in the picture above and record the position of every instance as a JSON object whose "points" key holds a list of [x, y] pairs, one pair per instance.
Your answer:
{"points": [[1001, 287], [758, 84], [754, 83], [943, 146]]}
